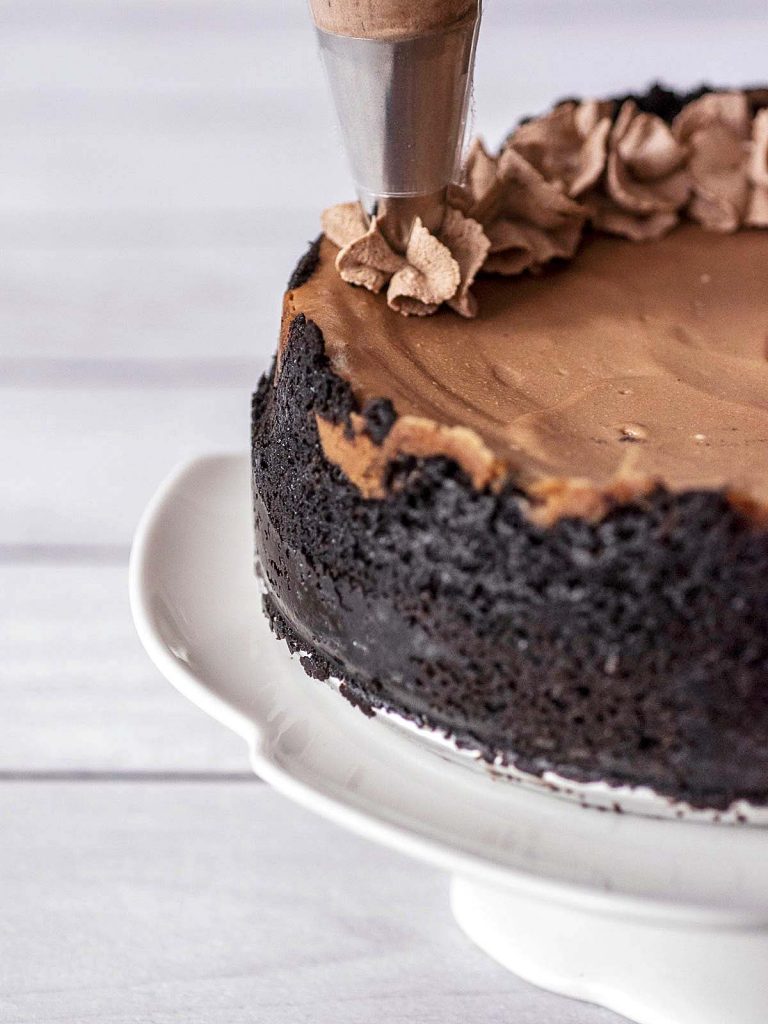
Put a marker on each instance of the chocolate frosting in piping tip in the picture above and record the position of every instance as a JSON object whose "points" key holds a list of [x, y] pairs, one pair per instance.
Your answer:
{"points": [[389, 19]]}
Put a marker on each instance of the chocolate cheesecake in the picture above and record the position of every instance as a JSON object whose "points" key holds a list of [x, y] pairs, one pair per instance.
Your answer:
{"points": [[534, 516]]}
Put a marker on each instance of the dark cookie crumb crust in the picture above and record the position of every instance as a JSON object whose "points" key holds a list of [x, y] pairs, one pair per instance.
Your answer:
{"points": [[632, 650]]}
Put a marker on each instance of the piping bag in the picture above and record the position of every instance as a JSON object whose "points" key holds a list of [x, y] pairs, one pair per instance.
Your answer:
{"points": [[400, 73]]}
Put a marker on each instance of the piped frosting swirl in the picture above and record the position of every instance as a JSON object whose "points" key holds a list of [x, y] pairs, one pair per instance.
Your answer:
{"points": [[631, 174], [757, 210], [646, 181]]}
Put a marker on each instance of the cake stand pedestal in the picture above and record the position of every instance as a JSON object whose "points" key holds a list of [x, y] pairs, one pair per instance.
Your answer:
{"points": [[660, 970], [664, 921]]}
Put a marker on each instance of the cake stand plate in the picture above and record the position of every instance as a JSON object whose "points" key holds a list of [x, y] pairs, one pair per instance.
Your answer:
{"points": [[664, 921]]}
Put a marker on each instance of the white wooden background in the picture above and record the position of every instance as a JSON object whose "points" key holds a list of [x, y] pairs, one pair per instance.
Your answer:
{"points": [[162, 164]]}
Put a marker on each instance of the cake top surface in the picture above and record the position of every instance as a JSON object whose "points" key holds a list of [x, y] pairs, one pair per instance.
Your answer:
{"points": [[634, 361], [641, 361]]}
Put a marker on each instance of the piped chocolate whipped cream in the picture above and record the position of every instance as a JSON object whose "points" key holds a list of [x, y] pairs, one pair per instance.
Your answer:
{"points": [[434, 268], [624, 172], [757, 211]]}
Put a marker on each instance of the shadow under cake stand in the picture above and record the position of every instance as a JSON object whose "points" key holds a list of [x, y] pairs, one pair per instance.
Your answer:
{"points": [[662, 920]]}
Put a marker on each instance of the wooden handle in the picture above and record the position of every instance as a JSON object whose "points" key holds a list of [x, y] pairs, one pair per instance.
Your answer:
{"points": [[390, 19]]}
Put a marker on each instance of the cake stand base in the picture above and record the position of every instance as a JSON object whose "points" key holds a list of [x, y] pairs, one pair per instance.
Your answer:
{"points": [[664, 921], [653, 970]]}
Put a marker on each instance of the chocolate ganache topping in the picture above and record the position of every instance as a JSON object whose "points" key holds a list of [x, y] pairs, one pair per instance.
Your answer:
{"points": [[610, 166]]}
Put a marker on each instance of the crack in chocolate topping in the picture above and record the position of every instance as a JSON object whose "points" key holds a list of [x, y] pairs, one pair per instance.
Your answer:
{"points": [[620, 168]]}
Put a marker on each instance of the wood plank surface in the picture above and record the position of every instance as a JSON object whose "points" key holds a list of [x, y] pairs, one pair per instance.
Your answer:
{"points": [[78, 693], [225, 904], [122, 303], [78, 465]]}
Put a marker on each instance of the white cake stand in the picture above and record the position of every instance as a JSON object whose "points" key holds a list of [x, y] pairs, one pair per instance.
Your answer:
{"points": [[664, 921]]}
